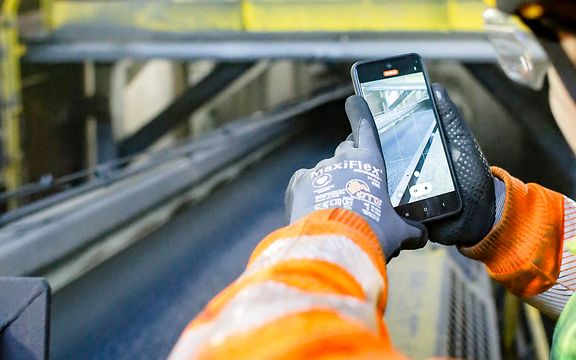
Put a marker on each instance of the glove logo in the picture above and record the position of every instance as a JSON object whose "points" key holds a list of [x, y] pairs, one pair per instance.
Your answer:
{"points": [[322, 181], [353, 187]]}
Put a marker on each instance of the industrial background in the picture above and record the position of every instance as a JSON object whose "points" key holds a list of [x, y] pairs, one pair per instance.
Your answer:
{"points": [[146, 147]]}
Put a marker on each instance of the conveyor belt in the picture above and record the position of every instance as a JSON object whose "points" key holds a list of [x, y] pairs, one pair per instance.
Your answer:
{"points": [[136, 304]]}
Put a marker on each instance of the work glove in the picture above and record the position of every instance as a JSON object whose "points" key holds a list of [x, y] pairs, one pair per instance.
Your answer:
{"points": [[355, 179], [475, 181]]}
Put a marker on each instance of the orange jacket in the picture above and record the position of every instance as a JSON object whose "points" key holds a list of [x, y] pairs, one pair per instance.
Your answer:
{"points": [[317, 288], [527, 250]]}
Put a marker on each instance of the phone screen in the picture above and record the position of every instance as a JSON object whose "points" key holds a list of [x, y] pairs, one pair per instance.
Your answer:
{"points": [[416, 160]]}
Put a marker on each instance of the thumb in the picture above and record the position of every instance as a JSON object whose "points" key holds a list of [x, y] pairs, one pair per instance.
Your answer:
{"points": [[448, 111], [414, 236], [364, 131], [461, 140]]}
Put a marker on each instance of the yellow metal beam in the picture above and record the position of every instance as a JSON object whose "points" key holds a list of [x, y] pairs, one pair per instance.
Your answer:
{"points": [[270, 16], [540, 339], [10, 7], [47, 10], [364, 15], [10, 87], [510, 325], [155, 16]]}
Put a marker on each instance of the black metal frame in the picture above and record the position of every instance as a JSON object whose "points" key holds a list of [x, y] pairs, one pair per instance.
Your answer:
{"points": [[36, 242], [531, 111], [179, 111]]}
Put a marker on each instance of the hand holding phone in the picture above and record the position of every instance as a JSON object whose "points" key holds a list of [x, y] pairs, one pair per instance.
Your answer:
{"points": [[421, 181], [355, 179], [475, 180]]}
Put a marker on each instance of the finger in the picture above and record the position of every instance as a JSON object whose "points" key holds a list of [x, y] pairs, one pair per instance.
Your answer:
{"points": [[344, 147], [474, 179], [450, 115], [417, 236], [444, 103], [458, 135], [364, 130], [461, 140]]}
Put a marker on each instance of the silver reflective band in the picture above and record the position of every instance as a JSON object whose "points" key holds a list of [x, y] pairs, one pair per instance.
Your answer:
{"points": [[337, 250], [260, 304], [517, 50]]}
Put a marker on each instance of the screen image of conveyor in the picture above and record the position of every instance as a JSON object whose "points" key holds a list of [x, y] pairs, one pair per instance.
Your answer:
{"points": [[411, 141]]}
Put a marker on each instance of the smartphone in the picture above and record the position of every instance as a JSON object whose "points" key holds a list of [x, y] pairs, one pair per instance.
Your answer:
{"points": [[421, 181]]}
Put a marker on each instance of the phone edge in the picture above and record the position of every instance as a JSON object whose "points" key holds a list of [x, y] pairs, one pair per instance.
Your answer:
{"points": [[444, 143], [356, 85]]}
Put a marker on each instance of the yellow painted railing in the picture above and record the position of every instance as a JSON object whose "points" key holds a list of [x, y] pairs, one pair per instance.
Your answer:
{"points": [[10, 87]]}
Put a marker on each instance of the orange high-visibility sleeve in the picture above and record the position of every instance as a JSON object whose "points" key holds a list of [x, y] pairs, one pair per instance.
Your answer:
{"points": [[314, 289], [524, 250]]}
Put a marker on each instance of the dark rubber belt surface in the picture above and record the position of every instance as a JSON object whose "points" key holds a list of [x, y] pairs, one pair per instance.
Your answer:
{"points": [[135, 305]]}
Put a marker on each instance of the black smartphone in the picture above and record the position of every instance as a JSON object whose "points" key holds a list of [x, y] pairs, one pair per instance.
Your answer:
{"points": [[421, 181]]}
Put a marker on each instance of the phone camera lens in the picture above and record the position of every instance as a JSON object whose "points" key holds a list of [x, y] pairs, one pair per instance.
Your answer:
{"points": [[388, 66]]}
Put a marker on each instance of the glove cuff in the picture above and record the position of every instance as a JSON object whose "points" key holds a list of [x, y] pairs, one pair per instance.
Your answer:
{"points": [[351, 219], [523, 250]]}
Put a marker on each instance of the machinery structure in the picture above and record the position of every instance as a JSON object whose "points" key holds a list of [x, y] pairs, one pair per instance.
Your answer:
{"points": [[175, 126]]}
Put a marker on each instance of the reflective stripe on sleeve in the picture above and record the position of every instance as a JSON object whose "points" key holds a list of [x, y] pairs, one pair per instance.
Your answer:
{"points": [[555, 299], [262, 303], [338, 250]]}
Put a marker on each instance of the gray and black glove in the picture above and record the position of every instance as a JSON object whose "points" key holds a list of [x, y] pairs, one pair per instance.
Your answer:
{"points": [[475, 181], [355, 179]]}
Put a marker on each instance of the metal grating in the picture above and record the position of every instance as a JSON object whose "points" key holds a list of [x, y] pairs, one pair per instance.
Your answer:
{"points": [[468, 323], [441, 305]]}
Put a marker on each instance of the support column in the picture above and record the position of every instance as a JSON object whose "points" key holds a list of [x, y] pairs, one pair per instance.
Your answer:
{"points": [[10, 97], [99, 139]]}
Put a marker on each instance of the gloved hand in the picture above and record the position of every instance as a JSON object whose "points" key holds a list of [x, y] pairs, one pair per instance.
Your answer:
{"points": [[355, 179], [475, 181]]}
